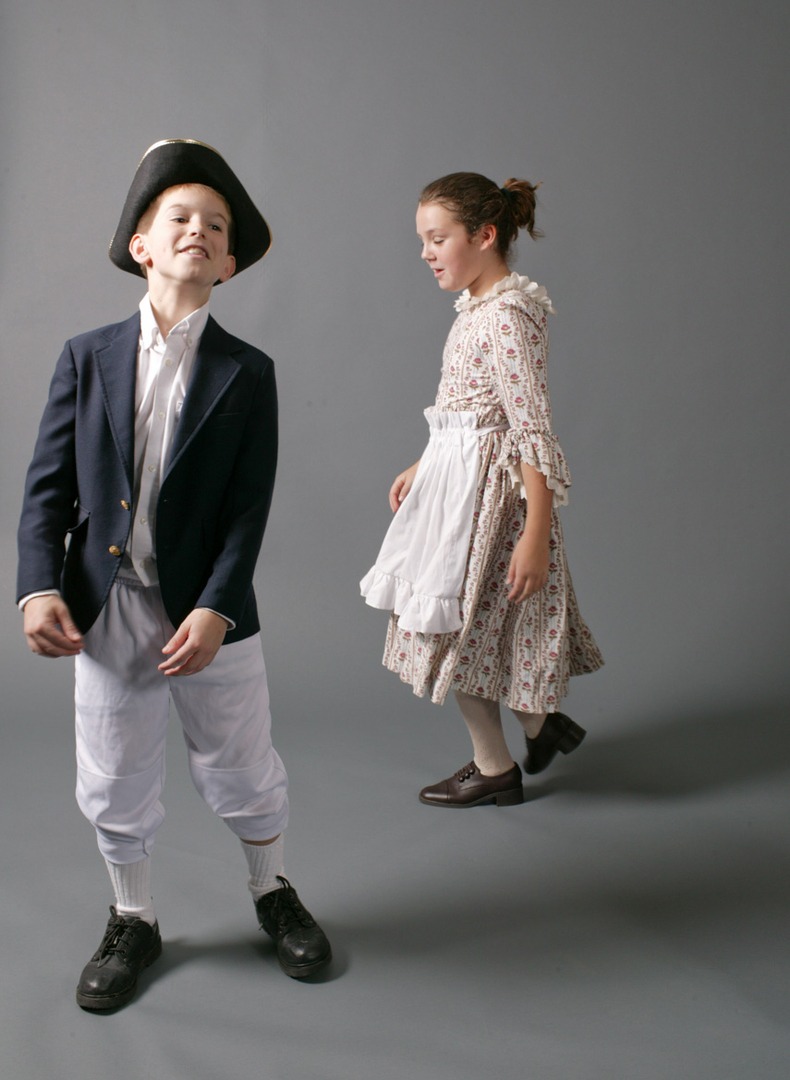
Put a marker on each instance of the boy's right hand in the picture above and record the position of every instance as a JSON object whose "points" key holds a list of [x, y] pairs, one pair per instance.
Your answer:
{"points": [[50, 629], [402, 486]]}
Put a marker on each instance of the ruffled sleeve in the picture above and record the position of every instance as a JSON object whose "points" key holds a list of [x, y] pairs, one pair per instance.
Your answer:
{"points": [[518, 340]]}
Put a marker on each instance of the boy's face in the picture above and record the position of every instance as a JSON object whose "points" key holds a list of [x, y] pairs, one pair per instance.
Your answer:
{"points": [[183, 239]]}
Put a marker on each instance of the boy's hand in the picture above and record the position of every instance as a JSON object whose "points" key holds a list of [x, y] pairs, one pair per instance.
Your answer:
{"points": [[49, 627], [195, 644]]}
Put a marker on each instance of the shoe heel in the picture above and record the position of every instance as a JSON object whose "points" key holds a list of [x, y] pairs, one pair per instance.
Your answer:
{"points": [[571, 738], [154, 954], [510, 798]]}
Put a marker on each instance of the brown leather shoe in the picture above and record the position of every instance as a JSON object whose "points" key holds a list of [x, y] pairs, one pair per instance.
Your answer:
{"points": [[559, 734], [470, 788]]}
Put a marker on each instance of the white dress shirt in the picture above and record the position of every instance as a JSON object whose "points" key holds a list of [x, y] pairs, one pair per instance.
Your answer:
{"points": [[164, 366]]}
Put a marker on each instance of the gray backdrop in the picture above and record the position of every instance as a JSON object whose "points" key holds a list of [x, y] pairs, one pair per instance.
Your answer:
{"points": [[659, 131]]}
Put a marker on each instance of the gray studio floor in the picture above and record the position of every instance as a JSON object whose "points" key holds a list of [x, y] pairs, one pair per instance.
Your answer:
{"points": [[628, 921]]}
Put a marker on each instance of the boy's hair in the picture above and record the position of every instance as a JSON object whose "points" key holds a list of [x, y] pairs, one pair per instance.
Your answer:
{"points": [[474, 200]]}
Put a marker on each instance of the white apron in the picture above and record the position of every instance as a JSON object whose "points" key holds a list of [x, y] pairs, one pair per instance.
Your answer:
{"points": [[420, 569]]}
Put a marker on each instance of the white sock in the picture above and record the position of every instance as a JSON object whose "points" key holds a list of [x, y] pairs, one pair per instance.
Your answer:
{"points": [[131, 883], [481, 716], [265, 862], [532, 722]]}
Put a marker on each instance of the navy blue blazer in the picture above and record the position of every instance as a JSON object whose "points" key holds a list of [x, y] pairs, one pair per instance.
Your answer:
{"points": [[215, 493]]}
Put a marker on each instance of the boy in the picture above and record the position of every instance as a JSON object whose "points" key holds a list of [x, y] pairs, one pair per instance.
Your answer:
{"points": [[156, 458]]}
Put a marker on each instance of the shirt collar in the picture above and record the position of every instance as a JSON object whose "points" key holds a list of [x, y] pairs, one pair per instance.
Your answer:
{"points": [[190, 328]]}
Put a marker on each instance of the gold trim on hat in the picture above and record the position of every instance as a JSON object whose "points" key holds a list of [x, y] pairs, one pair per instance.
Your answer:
{"points": [[189, 142]]}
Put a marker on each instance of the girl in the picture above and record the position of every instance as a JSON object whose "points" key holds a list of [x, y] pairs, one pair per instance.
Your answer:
{"points": [[473, 566]]}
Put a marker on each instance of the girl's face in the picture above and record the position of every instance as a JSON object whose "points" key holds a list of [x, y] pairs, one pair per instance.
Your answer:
{"points": [[458, 260]]}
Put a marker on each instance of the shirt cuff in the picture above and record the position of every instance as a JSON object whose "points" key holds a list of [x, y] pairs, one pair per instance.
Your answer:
{"points": [[33, 595], [230, 622]]}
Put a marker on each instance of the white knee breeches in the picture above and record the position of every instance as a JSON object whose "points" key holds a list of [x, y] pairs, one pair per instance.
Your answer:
{"points": [[122, 709]]}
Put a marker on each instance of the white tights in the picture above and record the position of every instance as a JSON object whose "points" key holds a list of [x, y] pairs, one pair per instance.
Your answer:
{"points": [[482, 718]]}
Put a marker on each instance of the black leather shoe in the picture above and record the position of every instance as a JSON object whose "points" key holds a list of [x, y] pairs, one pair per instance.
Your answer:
{"points": [[470, 788], [109, 979], [302, 946], [558, 734]]}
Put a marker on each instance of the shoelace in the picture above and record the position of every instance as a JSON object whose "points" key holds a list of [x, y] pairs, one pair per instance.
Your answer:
{"points": [[116, 939], [286, 907], [466, 772]]}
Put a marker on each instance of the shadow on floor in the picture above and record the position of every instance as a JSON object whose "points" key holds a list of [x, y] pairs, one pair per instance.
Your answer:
{"points": [[692, 754]]}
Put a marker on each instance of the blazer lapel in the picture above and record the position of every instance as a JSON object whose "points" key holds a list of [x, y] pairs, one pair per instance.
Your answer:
{"points": [[117, 364], [213, 372]]}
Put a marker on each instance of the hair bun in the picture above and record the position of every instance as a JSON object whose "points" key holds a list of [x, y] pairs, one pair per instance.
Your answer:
{"points": [[521, 197]]}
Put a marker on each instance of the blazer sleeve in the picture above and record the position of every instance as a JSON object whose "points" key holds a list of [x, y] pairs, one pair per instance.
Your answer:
{"points": [[50, 504]]}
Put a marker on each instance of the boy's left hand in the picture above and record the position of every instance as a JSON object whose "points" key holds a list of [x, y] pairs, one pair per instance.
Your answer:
{"points": [[195, 644]]}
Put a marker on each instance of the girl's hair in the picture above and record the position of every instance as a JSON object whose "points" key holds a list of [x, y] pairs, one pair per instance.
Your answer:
{"points": [[474, 200]]}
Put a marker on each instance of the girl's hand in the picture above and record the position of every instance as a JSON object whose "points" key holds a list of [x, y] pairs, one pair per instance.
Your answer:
{"points": [[529, 568], [402, 486]]}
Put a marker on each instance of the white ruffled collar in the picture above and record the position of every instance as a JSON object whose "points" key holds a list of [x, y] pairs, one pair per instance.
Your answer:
{"points": [[466, 302]]}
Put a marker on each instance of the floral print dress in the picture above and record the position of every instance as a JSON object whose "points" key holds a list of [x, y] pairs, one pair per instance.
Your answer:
{"points": [[521, 654]]}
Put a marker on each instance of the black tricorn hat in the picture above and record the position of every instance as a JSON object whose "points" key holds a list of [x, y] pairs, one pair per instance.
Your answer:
{"points": [[172, 162]]}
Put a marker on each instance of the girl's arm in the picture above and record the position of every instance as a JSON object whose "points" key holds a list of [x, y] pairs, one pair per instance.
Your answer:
{"points": [[532, 455], [517, 343], [402, 485], [529, 566]]}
